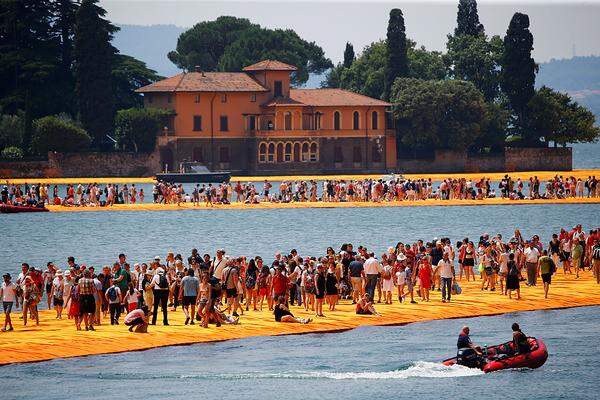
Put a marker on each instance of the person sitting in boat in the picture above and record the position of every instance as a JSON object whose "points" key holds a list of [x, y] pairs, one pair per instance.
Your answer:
{"points": [[520, 342], [468, 353]]}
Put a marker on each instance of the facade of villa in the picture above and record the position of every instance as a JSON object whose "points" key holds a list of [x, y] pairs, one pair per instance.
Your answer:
{"points": [[253, 122]]}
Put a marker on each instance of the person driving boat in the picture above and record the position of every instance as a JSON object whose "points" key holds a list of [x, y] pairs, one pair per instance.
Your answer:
{"points": [[468, 354]]}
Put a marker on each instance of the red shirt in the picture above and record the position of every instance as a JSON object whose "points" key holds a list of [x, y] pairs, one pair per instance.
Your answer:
{"points": [[280, 284]]}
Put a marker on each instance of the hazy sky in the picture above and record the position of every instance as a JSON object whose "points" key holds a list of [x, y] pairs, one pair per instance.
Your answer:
{"points": [[560, 28]]}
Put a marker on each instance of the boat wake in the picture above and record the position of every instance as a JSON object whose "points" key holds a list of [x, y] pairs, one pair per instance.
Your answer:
{"points": [[420, 369]]}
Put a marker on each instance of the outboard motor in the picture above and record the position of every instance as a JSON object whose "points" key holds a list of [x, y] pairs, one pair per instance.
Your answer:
{"points": [[469, 358]]}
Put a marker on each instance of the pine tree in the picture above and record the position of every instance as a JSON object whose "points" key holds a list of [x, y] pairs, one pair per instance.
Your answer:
{"points": [[94, 57], [467, 19], [348, 55], [64, 27], [518, 71], [396, 59]]}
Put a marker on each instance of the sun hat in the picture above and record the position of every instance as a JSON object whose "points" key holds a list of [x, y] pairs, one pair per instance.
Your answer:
{"points": [[401, 257], [157, 258]]}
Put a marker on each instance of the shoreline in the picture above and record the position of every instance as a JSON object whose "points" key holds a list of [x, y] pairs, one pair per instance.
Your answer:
{"points": [[58, 338], [543, 175], [320, 204]]}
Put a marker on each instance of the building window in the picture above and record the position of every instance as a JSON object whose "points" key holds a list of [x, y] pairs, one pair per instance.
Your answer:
{"points": [[314, 152], [336, 120], [338, 155], [375, 154], [150, 98], [197, 155], [262, 153], [252, 122], [197, 123], [318, 120], [288, 152], [271, 153], [305, 152], [296, 152], [253, 97], [197, 99], [224, 98], [357, 154], [355, 121], [224, 123], [279, 152], [278, 91], [287, 117], [169, 99], [224, 154], [375, 120]]}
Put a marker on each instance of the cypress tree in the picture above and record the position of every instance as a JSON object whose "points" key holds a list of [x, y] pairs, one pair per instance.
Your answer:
{"points": [[518, 70], [396, 59], [348, 55], [94, 57], [467, 19]]}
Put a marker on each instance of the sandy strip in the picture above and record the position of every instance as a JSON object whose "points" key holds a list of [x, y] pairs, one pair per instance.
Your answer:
{"points": [[495, 176], [57, 339], [266, 205]]}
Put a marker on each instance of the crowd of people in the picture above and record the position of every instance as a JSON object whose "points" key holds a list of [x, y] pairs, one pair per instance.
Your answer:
{"points": [[392, 188], [218, 290]]}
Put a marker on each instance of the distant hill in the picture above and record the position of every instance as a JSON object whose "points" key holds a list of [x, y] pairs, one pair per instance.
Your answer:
{"points": [[578, 76], [150, 44]]}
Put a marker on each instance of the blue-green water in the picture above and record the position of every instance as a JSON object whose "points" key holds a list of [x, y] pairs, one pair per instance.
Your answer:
{"points": [[365, 363], [96, 238]]}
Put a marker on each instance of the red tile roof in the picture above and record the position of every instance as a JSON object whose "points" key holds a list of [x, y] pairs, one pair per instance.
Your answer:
{"points": [[270, 65], [206, 82], [333, 97]]}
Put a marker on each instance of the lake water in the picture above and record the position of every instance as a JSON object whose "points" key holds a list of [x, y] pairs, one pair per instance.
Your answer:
{"points": [[364, 363], [97, 238]]}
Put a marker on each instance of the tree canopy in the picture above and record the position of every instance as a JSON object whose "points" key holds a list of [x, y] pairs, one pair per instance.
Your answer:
{"points": [[348, 55], [518, 71], [467, 19], [438, 114], [58, 134], [230, 43], [135, 128], [396, 61]]}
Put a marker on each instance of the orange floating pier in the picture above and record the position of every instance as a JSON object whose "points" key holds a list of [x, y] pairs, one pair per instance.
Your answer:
{"points": [[58, 338]]}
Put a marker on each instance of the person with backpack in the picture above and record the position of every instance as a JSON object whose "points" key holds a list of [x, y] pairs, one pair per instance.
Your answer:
{"points": [[307, 286], [113, 298], [596, 259], [547, 268], [160, 289], [251, 279]]}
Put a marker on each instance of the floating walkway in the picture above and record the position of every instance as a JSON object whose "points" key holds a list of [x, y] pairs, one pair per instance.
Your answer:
{"points": [[321, 204], [494, 176], [58, 339]]}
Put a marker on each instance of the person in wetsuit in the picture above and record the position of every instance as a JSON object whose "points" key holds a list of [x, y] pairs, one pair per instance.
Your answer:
{"points": [[520, 342]]}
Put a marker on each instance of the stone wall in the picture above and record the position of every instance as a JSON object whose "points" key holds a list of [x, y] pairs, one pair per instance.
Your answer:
{"points": [[539, 159], [84, 164]]}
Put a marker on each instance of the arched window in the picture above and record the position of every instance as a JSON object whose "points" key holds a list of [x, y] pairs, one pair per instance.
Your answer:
{"points": [[374, 120], [305, 152], [296, 152], [314, 152], [271, 153], [262, 153], [337, 120], [288, 121], [288, 152], [279, 152], [355, 121]]}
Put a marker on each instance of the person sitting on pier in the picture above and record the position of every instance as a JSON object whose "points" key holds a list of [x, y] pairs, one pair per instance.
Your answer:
{"points": [[365, 306]]}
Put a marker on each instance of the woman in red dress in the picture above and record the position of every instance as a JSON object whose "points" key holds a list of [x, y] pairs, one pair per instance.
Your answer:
{"points": [[425, 275], [74, 311]]}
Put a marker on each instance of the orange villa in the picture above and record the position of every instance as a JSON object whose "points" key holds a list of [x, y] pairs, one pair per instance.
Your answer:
{"points": [[253, 122]]}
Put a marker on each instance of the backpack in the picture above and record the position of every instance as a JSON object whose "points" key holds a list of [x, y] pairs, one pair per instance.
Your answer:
{"points": [[309, 283], [386, 274], [163, 283], [250, 282], [75, 293], [112, 294]]}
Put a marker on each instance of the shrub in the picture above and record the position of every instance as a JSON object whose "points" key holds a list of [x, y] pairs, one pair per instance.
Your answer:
{"points": [[12, 153], [136, 128], [58, 134]]}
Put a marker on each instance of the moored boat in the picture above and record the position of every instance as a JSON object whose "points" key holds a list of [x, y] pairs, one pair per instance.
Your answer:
{"points": [[194, 173], [10, 209], [502, 356]]}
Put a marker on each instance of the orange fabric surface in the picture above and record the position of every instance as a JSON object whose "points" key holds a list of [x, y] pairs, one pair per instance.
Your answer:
{"points": [[58, 338], [351, 204]]}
